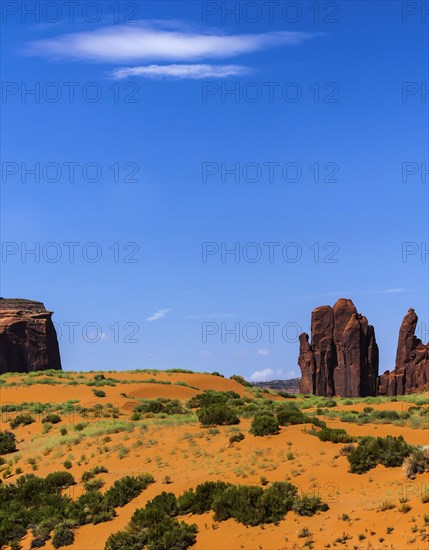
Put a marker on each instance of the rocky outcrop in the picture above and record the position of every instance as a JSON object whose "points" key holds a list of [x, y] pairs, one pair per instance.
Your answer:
{"points": [[28, 340], [411, 372], [342, 358]]}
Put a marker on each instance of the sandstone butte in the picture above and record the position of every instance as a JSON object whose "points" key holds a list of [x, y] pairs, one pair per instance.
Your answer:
{"points": [[342, 358], [28, 339]]}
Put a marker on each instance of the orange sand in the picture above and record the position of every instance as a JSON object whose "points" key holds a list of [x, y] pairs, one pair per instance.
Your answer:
{"points": [[190, 455]]}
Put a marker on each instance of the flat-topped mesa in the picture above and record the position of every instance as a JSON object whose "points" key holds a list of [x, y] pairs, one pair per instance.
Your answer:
{"points": [[28, 339], [342, 358], [411, 371]]}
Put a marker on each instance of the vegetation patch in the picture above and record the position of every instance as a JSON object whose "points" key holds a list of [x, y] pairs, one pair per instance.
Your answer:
{"points": [[370, 451], [155, 526], [38, 503]]}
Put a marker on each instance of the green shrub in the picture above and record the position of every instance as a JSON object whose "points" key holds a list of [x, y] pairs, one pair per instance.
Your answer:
{"points": [[237, 437], [263, 425], [307, 505], [217, 415], [99, 393], [52, 418], [126, 489], [7, 442], [21, 420], [211, 397], [389, 451], [90, 474], [63, 431], [241, 380], [67, 464], [165, 503], [277, 500], [171, 534], [240, 502], [200, 500], [335, 435], [59, 480], [63, 536], [291, 415], [93, 484]]}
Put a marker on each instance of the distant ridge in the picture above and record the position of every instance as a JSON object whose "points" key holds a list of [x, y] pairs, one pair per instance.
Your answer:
{"points": [[291, 385]]}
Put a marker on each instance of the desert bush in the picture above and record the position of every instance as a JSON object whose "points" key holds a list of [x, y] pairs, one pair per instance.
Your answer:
{"points": [[67, 464], [211, 397], [237, 437], [389, 415], [160, 405], [263, 425], [217, 415], [63, 536], [277, 500], [291, 415], [7, 442], [417, 462], [240, 502], [90, 474], [91, 507], [59, 480], [201, 499], [21, 420], [99, 393], [165, 503], [335, 435], [127, 488], [52, 418], [241, 380], [389, 451], [307, 505], [94, 484]]}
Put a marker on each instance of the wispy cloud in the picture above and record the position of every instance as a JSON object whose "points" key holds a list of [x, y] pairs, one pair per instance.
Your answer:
{"points": [[195, 72], [173, 42], [161, 313], [262, 375], [153, 40], [263, 351]]}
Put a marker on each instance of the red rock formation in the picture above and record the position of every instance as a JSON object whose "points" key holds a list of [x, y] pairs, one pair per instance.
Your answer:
{"points": [[28, 340], [343, 356], [411, 372]]}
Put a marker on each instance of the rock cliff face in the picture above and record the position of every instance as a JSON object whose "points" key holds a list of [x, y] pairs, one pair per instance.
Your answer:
{"points": [[28, 340], [342, 358], [411, 372]]}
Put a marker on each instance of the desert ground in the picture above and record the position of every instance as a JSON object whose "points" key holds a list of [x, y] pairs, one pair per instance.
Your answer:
{"points": [[378, 509]]}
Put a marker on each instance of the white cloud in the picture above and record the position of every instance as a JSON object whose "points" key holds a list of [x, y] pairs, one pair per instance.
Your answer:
{"points": [[155, 40], [262, 375], [279, 372], [194, 72], [205, 353], [158, 315], [263, 351]]}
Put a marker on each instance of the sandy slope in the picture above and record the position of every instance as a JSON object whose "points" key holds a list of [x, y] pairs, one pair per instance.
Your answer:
{"points": [[190, 455]]}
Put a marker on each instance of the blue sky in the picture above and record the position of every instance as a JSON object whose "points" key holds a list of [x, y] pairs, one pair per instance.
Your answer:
{"points": [[314, 116]]}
